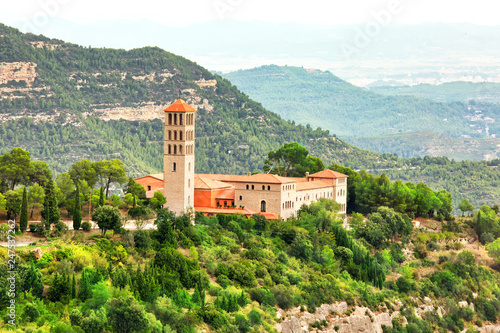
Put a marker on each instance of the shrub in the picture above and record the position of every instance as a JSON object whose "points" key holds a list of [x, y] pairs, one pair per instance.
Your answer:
{"points": [[31, 312], [142, 240], [86, 226], [33, 227]]}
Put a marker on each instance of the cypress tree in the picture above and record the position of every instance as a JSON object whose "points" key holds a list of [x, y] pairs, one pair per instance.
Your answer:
{"points": [[102, 199], [77, 210], [85, 286], [50, 211], [23, 222]]}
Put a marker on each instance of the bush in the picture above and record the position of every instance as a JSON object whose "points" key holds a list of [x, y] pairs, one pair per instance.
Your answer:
{"points": [[487, 237], [86, 226], [33, 227], [142, 240], [31, 312], [443, 259]]}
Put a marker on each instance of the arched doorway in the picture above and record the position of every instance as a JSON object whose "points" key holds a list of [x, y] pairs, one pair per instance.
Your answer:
{"points": [[262, 206]]}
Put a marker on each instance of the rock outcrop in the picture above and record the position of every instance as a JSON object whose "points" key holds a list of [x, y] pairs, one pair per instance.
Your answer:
{"points": [[17, 71], [361, 319]]}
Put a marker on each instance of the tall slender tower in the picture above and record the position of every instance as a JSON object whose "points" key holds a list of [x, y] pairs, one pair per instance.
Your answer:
{"points": [[178, 165]]}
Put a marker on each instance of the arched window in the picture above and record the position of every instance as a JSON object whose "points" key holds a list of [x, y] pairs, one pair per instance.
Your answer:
{"points": [[263, 187], [263, 206], [170, 135], [175, 135], [248, 186], [174, 167], [180, 149], [170, 119], [180, 119], [268, 187], [253, 187], [175, 150], [175, 119], [180, 135], [169, 149]]}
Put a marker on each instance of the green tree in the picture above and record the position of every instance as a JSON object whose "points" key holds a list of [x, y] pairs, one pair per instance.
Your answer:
{"points": [[23, 221], [102, 199], [14, 200], [493, 249], [465, 206], [84, 170], [36, 196], [108, 218], [135, 188], [50, 211], [126, 315], [158, 200], [111, 171], [77, 210], [15, 167], [39, 172], [292, 160], [3, 203], [65, 184]]}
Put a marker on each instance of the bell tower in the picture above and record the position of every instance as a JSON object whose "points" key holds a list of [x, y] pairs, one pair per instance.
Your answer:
{"points": [[178, 163]]}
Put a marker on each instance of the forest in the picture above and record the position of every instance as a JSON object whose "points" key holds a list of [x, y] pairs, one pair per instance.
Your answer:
{"points": [[230, 273]]}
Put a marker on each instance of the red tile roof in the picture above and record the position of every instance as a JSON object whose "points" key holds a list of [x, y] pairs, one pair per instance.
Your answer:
{"points": [[257, 178], [226, 194], [328, 174], [204, 183], [180, 106], [312, 185]]}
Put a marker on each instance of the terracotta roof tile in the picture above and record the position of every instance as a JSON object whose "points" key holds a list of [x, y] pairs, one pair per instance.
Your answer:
{"points": [[312, 185], [208, 184], [226, 194], [328, 174], [180, 106], [257, 178]]}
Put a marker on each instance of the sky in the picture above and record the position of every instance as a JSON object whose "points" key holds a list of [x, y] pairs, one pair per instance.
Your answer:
{"points": [[185, 12]]}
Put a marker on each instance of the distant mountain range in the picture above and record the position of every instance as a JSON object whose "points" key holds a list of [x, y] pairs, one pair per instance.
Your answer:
{"points": [[407, 54], [322, 99]]}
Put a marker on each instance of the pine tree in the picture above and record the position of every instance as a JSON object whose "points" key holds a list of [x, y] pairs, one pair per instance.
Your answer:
{"points": [[23, 222], [50, 211], [77, 210], [102, 199]]}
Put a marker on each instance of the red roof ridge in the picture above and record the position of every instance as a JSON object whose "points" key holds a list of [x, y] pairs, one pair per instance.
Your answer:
{"points": [[328, 174], [180, 106]]}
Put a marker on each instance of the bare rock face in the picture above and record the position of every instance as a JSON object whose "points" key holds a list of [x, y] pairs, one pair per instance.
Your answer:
{"points": [[488, 329], [360, 320], [17, 71]]}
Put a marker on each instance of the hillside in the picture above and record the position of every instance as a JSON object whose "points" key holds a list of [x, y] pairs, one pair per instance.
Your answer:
{"points": [[420, 144], [447, 92], [324, 100], [64, 102]]}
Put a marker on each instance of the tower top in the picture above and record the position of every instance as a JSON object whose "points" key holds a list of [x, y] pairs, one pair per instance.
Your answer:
{"points": [[180, 106]]}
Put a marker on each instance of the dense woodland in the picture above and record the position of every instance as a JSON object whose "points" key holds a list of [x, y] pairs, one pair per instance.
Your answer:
{"points": [[229, 273]]}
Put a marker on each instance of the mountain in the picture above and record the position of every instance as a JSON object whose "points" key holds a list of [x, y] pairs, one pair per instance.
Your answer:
{"points": [[64, 102], [405, 53], [323, 99], [460, 91]]}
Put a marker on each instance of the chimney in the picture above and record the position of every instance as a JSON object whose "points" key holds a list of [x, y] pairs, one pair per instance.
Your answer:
{"points": [[249, 173], [307, 174]]}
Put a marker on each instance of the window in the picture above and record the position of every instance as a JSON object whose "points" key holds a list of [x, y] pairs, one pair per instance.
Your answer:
{"points": [[169, 149], [225, 203], [180, 149], [149, 187], [247, 187], [170, 135], [189, 166], [180, 120], [170, 119], [263, 187], [180, 135], [218, 203], [189, 200], [189, 183], [175, 119], [241, 198], [262, 206], [175, 150], [253, 187], [268, 187], [174, 167]]}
